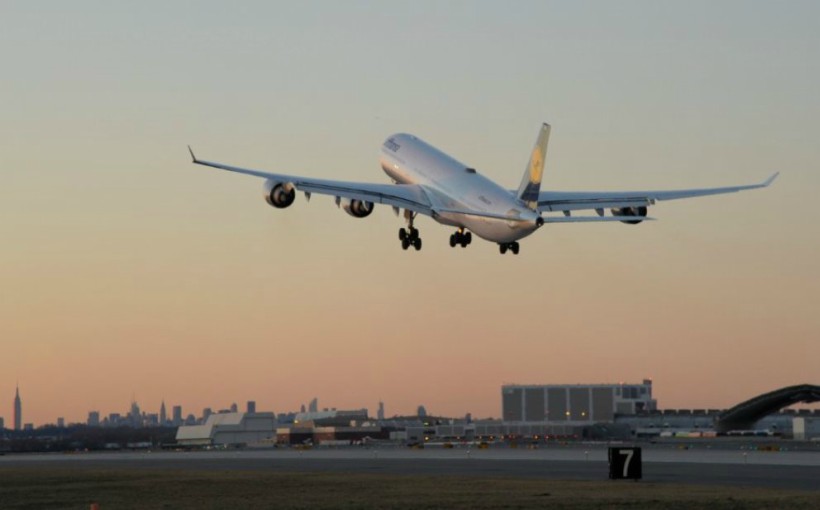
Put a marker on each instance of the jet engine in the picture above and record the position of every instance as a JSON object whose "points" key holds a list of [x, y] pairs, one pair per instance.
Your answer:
{"points": [[279, 194], [630, 211], [357, 208]]}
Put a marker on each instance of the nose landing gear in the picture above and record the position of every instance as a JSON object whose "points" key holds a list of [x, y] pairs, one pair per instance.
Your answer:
{"points": [[513, 247]]}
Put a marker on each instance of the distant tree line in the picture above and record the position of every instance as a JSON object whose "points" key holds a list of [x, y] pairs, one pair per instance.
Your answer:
{"points": [[82, 438]]}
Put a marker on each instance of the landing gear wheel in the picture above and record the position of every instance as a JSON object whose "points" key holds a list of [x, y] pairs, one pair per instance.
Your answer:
{"points": [[513, 247], [409, 236], [460, 237]]}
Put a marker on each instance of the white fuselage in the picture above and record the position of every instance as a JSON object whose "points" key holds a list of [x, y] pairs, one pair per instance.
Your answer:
{"points": [[451, 185]]}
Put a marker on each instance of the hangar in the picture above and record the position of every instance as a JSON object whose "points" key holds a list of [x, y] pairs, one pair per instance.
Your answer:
{"points": [[574, 404], [229, 429]]}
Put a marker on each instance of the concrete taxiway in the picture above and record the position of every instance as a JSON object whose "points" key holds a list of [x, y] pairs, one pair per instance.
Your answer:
{"points": [[783, 469]]}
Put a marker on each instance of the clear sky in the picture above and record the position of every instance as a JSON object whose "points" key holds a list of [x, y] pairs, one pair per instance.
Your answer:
{"points": [[126, 270]]}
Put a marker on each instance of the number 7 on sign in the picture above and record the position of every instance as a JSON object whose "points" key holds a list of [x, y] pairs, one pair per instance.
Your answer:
{"points": [[629, 454]]}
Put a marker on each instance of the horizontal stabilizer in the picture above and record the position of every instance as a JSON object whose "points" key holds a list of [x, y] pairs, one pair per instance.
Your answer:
{"points": [[590, 219], [481, 214]]}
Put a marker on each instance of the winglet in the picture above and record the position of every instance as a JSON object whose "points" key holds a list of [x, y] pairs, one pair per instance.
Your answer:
{"points": [[193, 158], [771, 179]]}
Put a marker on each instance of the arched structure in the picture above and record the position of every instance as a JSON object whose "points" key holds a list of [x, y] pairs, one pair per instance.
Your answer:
{"points": [[744, 415]]}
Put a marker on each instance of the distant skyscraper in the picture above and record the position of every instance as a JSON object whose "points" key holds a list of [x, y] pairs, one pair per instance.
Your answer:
{"points": [[18, 410], [313, 407], [205, 413], [135, 417], [61, 422], [2, 423], [251, 406], [162, 416], [177, 419], [234, 407], [421, 412], [302, 410], [380, 413], [94, 419]]}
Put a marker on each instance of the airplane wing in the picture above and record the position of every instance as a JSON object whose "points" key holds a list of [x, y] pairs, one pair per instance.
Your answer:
{"points": [[569, 201], [404, 196]]}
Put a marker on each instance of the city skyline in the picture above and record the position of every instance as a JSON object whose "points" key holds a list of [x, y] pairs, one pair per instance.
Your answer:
{"points": [[125, 268], [97, 417]]}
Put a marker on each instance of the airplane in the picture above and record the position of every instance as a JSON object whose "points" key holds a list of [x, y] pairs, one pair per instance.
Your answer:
{"points": [[429, 182]]}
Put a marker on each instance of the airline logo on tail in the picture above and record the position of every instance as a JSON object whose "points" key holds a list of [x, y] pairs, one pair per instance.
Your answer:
{"points": [[531, 182], [536, 166]]}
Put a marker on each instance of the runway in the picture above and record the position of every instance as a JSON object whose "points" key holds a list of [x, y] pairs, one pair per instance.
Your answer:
{"points": [[783, 470]]}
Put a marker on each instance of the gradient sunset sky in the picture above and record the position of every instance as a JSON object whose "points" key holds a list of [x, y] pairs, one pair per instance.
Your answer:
{"points": [[126, 270]]}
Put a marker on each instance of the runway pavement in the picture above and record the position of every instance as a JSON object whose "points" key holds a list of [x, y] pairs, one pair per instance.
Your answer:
{"points": [[786, 470]]}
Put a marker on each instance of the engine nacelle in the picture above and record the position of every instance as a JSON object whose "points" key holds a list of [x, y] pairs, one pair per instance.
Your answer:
{"points": [[279, 194], [630, 211], [357, 208]]}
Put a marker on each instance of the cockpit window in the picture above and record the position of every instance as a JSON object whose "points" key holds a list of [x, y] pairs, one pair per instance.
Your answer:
{"points": [[392, 145], [470, 170]]}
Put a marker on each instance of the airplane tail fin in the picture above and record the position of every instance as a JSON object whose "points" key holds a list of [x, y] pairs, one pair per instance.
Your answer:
{"points": [[531, 182]]}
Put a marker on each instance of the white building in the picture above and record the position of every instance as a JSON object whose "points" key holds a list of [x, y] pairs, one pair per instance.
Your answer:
{"points": [[805, 428], [574, 404], [229, 429]]}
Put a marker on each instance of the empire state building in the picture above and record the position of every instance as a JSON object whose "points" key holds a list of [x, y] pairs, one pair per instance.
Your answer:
{"points": [[18, 411]]}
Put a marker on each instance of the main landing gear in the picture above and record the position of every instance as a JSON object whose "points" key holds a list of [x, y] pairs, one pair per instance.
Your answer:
{"points": [[513, 247], [409, 236], [461, 237]]}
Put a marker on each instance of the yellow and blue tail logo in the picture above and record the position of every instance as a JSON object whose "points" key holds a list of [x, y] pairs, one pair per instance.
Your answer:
{"points": [[531, 183]]}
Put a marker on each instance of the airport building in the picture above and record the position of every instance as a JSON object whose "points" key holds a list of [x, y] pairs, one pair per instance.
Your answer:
{"points": [[799, 424], [331, 435], [229, 429], [575, 404], [330, 427], [806, 428], [331, 418]]}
